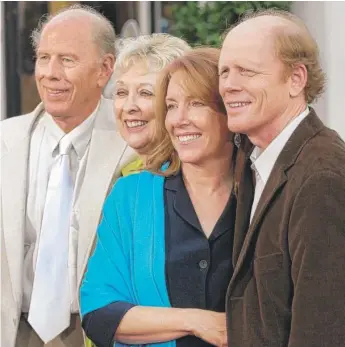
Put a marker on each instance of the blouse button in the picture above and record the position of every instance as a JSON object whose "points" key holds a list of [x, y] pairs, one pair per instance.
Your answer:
{"points": [[203, 264]]}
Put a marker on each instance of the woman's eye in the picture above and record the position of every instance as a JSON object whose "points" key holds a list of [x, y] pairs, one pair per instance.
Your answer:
{"points": [[120, 93], [170, 106], [197, 104], [146, 93]]}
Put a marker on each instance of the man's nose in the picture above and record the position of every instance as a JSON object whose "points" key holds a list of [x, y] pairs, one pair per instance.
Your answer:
{"points": [[53, 69], [231, 83]]}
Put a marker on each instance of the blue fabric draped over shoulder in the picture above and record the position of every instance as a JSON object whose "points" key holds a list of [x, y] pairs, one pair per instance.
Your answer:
{"points": [[128, 263]]}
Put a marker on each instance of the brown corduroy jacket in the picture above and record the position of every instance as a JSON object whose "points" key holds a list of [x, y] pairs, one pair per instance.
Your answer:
{"points": [[288, 286]]}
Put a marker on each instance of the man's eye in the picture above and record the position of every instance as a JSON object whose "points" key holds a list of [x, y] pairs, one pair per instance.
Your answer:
{"points": [[246, 72], [67, 60], [42, 58], [224, 73]]}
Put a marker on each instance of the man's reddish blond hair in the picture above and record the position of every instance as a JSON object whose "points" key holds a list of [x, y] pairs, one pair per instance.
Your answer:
{"points": [[294, 45]]}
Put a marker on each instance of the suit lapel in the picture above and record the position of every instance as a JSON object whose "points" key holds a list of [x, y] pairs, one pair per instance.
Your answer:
{"points": [[274, 184], [14, 169], [244, 203], [307, 129], [105, 158]]}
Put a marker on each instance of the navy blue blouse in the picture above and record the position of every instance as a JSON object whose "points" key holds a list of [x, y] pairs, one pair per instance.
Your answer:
{"points": [[198, 270]]}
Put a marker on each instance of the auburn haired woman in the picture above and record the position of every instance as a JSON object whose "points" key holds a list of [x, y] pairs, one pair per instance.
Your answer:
{"points": [[162, 262]]}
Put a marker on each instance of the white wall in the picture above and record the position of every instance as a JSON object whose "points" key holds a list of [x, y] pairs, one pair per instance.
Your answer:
{"points": [[325, 20]]}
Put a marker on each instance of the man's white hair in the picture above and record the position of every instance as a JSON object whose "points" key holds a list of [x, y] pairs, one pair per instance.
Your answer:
{"points": [[103, 31]]}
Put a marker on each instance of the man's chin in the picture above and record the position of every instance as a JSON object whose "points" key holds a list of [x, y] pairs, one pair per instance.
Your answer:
{"points": [[238, 127], [55, 111]]}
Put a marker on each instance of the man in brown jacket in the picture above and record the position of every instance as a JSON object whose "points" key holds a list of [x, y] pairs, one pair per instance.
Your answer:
{"points": [[288, 287]]}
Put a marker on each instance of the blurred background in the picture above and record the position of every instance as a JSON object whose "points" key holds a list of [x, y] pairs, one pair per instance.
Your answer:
{"points": [[199, 22]]}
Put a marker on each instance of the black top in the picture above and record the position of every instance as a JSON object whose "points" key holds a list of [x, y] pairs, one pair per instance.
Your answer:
{"points": [[198, 270]]}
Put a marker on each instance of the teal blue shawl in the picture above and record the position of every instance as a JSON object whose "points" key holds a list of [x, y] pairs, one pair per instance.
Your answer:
{"points": [[128, 263]]}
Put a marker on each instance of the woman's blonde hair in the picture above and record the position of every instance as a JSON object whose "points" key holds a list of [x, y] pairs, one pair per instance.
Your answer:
{"points": [[199, 78], [156, 50]]}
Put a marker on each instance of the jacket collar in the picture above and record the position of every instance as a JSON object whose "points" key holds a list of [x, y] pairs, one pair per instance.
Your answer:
{"points": [[306, 130]]}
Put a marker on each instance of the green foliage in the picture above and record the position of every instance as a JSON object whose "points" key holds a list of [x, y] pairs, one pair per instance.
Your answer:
{"points": [[203, 23]]}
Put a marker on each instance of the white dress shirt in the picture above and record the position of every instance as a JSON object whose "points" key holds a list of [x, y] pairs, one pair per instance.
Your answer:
{"points": [[263, 161], [43, 150]]}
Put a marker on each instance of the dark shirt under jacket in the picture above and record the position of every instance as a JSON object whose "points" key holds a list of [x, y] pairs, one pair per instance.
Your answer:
{"points": [[198, 270]]}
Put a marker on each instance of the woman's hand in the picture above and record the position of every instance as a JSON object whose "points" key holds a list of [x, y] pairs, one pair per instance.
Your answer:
{"points": [[209, 326]]}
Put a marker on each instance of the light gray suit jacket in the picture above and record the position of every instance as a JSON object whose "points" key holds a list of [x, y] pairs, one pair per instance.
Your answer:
{"points": [[108, 153]]}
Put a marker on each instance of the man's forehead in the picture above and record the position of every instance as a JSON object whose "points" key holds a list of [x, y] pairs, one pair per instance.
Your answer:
{"points": [[248, 39], [65, 34], [76, 17], [70, 26], [248, 34], [250, 48], [246, 43], [261, 29], [262, 24]]}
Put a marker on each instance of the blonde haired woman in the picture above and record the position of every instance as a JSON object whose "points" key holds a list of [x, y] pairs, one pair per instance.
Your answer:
{"points": [[162, 262], [139, 60]]}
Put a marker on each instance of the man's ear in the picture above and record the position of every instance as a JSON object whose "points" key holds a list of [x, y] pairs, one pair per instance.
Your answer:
{"points": [[107, 67], [299, 79]]}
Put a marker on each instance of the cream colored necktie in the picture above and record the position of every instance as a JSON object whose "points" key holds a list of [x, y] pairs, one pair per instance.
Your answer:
{"points": [[50, 307]]}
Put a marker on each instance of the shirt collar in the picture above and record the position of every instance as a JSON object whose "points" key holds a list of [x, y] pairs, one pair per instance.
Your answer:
{"points": [[174, 182], [183, 206], [79, 136], [263, 161]]}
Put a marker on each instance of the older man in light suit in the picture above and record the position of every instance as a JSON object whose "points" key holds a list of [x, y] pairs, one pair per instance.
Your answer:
{"points": [[57, 165]]}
